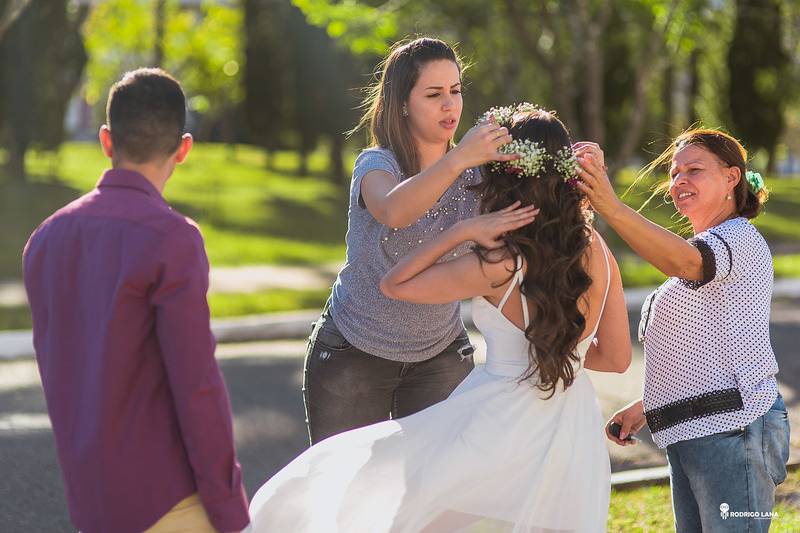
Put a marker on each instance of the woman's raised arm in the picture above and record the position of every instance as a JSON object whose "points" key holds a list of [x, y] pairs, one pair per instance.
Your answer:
{"points": [[398, 205], [666, 251]]}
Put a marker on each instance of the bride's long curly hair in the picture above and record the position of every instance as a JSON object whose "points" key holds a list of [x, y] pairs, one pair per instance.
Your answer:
{"points": [[553, 247]]}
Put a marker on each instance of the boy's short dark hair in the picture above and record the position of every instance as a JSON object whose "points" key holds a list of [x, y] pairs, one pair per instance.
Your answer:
{"points": [[146, 113]]}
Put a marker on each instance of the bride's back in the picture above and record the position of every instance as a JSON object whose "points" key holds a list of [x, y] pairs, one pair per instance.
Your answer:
{"points": [[565, 273]]}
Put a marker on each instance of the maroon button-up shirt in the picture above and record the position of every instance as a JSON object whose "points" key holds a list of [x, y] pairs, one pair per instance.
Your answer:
{"points": [[117, 285]]}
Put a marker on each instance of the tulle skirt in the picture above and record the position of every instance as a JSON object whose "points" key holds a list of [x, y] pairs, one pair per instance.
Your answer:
{"points": [[494, 457]]}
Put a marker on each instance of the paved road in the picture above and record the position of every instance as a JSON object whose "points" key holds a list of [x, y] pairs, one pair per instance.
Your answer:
{"points": [[264, 381]]}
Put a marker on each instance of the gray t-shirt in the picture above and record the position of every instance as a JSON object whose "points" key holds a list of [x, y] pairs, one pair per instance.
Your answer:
{"points": [[392, 329]]}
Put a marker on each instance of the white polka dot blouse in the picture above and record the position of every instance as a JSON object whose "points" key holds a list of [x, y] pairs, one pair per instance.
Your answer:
{"points": [[709, 364]]}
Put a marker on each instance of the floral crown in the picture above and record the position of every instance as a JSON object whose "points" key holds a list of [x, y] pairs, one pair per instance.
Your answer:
{"points": [[533, 156]]}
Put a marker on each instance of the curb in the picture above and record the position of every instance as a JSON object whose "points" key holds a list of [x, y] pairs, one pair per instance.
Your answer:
{"points": [[659, 475], [640, 477], [15, 344]]}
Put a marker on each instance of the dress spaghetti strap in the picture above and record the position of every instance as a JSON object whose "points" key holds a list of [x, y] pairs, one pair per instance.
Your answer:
{"points": [[518, 277], [510, 285]]}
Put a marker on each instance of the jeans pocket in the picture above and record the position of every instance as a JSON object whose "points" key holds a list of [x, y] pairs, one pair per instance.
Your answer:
{"points": [[776, 444], [330, 338], [462, 347]]}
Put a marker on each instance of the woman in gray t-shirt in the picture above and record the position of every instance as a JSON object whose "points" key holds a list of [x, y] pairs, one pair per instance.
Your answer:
{"points": [[370, 358]]}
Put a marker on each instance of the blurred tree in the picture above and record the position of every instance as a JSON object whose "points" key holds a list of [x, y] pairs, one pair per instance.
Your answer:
{"points": [[597, 63], [158, 45], [41, 61], [266, 85], [200, 45], [297, 83], [759, 67], [9, 11]]}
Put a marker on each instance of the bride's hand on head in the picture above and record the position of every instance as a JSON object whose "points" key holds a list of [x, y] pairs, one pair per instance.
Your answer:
{"points": [[481, 144], [594, 182], [486, 230]]}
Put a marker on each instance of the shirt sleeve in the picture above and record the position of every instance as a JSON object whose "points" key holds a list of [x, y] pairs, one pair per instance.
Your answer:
{"points": [[373, 159], [199, 392], [717, 255]]}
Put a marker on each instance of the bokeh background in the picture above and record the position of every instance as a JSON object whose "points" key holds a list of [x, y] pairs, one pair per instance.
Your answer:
{"points": [[274, 85]]}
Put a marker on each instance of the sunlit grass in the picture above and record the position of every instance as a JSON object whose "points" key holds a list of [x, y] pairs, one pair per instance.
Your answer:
{"points": [[225, 305], [649, 509], [251, 214]]}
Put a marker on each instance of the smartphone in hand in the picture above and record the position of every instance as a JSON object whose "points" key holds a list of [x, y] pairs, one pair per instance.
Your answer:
{"points": [[614, 428]]}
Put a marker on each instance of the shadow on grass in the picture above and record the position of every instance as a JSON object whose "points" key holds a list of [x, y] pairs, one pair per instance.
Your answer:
{"points": [[23, 206], [322, 221]]}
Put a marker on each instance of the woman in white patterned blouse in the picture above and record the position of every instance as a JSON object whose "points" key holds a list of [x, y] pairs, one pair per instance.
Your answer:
{"points": [[710, 394]]}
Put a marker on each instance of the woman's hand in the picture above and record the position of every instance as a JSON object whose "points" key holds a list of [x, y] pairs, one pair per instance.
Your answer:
{"points": [[480, 144], [487, 229], [632, 419], [594, 182]]}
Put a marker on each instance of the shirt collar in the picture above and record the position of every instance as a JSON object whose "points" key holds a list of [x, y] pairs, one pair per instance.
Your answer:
{"points": [[129, 179]]}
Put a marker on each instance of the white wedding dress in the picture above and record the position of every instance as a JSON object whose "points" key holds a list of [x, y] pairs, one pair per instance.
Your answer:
{"points": [[495, 456]]}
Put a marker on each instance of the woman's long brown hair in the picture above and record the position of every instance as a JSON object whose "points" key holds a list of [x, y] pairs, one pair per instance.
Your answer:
{"points": [[400, 70], [553, 247]]}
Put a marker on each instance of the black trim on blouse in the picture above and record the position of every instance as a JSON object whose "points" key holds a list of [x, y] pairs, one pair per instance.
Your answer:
{"points": [[700, 406], [709, 262], [728, 248]]}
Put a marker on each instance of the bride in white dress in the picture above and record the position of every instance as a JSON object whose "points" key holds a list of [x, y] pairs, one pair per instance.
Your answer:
{"points": [[519, 446]]}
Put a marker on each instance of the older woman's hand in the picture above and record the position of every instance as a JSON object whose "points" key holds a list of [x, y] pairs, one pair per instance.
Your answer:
{"points": [[594, 182], [631, 419]]}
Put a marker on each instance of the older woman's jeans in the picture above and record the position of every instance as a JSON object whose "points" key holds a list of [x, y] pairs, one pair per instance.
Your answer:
{"points": [[726, 481], [345, 388]]}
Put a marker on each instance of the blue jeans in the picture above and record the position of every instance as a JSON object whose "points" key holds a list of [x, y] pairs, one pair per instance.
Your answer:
{"points": [[726, 481], [345, 388]]}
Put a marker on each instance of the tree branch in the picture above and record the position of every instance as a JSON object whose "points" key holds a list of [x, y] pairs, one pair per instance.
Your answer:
{"points": [[11, 13], [647, 67]]}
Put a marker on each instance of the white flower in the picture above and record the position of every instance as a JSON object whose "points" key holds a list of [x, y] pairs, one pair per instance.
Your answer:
{"points": [[533, 156]]}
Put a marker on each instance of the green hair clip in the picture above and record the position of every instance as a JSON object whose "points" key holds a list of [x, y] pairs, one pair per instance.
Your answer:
{"points": [[755, 181]]}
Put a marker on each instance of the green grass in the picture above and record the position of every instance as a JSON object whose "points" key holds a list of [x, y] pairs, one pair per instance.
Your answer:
{"points": [[248, 213], [649, 509], [787, 266], [224, 305], [16, 317], [253, 215]]}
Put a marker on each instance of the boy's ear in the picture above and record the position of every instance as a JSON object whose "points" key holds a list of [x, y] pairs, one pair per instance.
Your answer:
{"points": [[183, 149], [105, 141]]}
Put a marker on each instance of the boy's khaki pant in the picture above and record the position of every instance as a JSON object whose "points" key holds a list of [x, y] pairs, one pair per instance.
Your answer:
{"points": [[188, 516]]}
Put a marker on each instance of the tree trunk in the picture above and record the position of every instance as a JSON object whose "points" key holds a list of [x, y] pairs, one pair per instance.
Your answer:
{"points": [[302, 166], [15, 164], [10, 14], [158, 49], [667, 96], [649, 64], [772, 160], [562, 89], [593, 30], [336, 162], [694, 85], [269, 159]]}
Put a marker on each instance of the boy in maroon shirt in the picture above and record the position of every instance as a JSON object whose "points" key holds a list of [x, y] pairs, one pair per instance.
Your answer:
{"points": [[117, 284]]}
